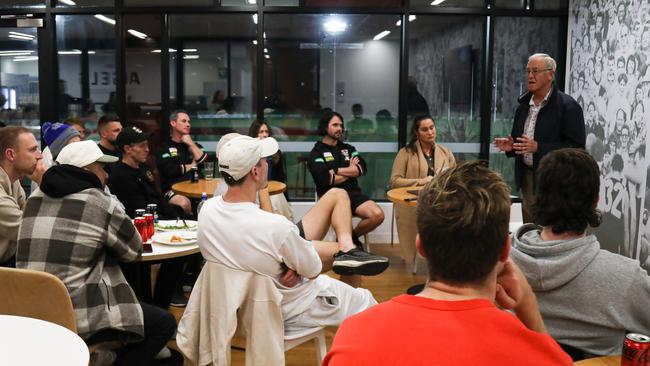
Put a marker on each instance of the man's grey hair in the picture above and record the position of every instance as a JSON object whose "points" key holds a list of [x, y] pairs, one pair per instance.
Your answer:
{"points": [[174, 115], [550, 62]]}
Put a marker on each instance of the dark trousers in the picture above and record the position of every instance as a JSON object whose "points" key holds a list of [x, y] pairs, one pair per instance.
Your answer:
{"points": [[170, 277], [159, 326], [527, 194]]}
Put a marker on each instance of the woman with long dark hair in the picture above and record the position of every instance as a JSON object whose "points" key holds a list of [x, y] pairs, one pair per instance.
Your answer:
{"points": [[262, 130], [415, 165]]}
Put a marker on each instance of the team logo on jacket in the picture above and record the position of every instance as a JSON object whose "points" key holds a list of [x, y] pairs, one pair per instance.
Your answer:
{"points": [[173, 152], [346, 154], [328, 156], [150, 177]]}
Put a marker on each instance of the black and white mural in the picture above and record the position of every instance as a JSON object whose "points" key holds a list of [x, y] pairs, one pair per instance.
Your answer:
{"points": [[608, 58]]}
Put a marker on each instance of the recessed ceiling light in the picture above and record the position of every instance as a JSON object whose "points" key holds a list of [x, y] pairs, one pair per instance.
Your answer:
{"points": [[138, 34], [381, 35], [437, 2], [67, 2], [105, 19], [335, 25]]}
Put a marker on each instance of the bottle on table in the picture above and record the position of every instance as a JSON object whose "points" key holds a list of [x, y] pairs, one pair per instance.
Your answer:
{"points": [[195, 174], [204, 197]]}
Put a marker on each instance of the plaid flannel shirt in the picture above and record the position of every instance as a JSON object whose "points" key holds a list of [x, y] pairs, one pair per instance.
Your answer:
{"points": [[81, 238]]}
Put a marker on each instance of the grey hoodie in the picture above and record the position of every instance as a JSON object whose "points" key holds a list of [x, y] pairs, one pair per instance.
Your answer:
{"points": [[589, 298]]}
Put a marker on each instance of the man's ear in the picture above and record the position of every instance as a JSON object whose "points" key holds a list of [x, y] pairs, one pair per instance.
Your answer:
{"points": [[419, 247], [10, 154]]}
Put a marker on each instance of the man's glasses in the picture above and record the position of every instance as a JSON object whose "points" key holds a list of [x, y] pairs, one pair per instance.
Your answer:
{"points": [[536, 71]]}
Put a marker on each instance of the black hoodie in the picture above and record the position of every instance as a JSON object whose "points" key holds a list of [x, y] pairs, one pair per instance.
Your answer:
{"points": [[62, 180]]}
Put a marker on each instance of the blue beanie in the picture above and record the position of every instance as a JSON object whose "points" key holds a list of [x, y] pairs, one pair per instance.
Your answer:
{"points": [[56, 136]]}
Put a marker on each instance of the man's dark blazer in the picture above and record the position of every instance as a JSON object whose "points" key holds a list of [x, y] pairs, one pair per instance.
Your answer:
{"points": [[560, 124]]}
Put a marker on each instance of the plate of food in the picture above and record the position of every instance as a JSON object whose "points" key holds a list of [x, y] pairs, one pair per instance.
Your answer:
{"points": [[175, 238], [175, 225]]}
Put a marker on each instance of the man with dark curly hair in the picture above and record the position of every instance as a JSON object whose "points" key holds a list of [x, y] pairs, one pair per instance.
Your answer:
{"points": [[589, 298]]}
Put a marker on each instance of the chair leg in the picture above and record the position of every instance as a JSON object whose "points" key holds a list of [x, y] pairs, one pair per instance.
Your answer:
{"points": [[366, 243], [392, 227], [321, 347]]}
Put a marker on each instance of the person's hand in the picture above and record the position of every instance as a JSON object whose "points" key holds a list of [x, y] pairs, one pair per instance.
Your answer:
{"points": [[512, 286], [289, 277], [37, 175], [187, 140], [425, 180], [354, 161], [525, 145], [503, 143]]}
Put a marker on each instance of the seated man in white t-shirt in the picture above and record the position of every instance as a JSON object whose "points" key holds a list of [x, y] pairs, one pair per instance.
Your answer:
{"points": [[235, 232], [332, 209]]}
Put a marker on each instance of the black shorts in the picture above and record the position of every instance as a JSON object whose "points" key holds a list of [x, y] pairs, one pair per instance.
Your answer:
{"points": [[301, 230], [357, 199]]}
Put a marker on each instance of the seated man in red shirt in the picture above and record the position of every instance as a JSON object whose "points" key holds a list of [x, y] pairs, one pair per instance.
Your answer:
{"points": [[462, 220]]}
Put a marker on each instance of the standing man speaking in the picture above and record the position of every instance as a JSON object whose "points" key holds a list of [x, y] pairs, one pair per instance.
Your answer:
{"points": [[546, 120]]}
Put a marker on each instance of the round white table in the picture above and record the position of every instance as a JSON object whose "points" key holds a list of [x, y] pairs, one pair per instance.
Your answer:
{"points": [[28, 341], [161, 251]]}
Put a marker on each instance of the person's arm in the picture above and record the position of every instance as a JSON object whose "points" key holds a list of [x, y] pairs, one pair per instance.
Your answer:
{"points": [[168, 166], [398, 173], [634, 303], [198, 155], [10, 218], [121, 237], [319, 170], [299, 255], [514, 292], [357, 165]]}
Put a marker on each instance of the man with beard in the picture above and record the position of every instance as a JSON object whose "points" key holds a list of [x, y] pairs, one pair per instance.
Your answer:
{"points": [[333, 163], [19, 154], [108, 127]]}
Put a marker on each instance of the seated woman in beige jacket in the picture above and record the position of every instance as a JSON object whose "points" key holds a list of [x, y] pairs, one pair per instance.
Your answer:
{"points": [[415, 165]]}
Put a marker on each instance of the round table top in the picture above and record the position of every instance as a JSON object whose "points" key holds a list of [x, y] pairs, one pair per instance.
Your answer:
{"points": [[400, 196], [194, 190], [600, 361], [28, 341], [162, 251]]}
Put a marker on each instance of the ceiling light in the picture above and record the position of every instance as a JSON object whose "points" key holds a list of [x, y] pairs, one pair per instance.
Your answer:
{"points": [[15, 54], [189, 50], [25, 58], [437, 2], [266, 50], [105, 19], [335, 25], [16, 51], [135, 33], [23, 35], [190, 57], [381, 35], [252, 2], [67, 2], [267, 56], [73, 52], [255, 42], [21, 38], [255, 18], [91, 52], [411, 18]]}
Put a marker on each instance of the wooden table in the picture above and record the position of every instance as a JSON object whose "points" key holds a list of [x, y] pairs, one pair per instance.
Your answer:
{"points": [[400, 196], [28, 341], [194, 190], [600, 361]]}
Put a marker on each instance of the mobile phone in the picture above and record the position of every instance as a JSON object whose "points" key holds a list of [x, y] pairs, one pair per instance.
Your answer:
{"points": [[146, 248]]}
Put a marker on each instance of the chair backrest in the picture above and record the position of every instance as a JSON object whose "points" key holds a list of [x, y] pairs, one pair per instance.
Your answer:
{"points": [[224, 300], [35, 294]]}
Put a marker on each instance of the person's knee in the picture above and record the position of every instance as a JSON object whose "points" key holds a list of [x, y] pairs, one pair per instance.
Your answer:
{"points": [[183, 202], [377, 215]]}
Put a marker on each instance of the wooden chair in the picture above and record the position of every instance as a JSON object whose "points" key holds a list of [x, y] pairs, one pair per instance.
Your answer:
{"points": [[35, 294]]}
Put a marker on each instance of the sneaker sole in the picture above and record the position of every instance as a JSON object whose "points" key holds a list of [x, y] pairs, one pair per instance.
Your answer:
{"points": [[359, 268]]}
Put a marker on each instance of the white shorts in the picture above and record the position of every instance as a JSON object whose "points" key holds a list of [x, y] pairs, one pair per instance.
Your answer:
{"points": [[335, 302]]}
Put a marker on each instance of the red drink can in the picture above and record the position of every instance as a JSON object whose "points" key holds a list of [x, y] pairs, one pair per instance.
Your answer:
{"points": [[142, 227], [635, 350], [140, 212], [150, 225]]}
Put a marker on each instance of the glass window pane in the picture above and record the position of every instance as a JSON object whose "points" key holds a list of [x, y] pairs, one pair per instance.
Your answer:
{"points": [[442, 3], [444, 79], [335, 3], [213, 73], [519, 37], [86, 52], [510, 4], [84, 3], [551, 4], [19, 98], [143, 97], [22, 4], [331, 61]]}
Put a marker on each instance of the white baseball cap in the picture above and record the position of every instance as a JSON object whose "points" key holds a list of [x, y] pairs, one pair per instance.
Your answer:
{"points": [[225, 138], [239, 155], [82, 154]]}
